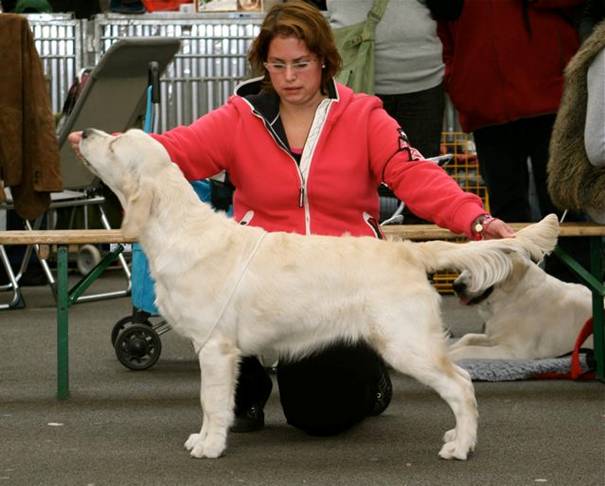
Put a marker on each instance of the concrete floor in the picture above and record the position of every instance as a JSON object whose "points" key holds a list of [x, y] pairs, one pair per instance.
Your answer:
{"points": [[127, 428]]}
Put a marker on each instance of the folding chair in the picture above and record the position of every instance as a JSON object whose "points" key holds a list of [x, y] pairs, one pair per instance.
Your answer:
{"points": [[113, 99]]}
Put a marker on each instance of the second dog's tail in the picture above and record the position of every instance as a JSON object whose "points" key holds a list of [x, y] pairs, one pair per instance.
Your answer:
{"points": [[487, 260]]}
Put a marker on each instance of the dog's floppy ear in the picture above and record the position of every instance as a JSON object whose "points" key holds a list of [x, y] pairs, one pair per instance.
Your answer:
{"points": [[136, 213]]}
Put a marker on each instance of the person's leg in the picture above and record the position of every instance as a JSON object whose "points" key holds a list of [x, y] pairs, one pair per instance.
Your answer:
{"points": [[252, 392], [537, 132], [332, 390], [420, 114], [503, 166]]}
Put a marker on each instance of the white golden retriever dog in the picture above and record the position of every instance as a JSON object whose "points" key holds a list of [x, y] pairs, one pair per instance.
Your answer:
{"points": [[528, 315], [237, 290]]}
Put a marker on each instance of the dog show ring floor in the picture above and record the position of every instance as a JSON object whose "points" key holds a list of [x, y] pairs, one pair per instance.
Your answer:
{"points": [[121, 427]]}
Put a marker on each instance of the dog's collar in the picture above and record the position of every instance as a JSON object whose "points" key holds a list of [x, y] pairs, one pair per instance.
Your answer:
{"points": [[480, 298]]}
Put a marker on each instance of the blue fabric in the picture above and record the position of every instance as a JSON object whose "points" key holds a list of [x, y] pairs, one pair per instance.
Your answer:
{"points": [[143, 293]]}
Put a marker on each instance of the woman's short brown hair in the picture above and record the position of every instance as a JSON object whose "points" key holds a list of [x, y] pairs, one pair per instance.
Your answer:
{"points": [[305, 22]]}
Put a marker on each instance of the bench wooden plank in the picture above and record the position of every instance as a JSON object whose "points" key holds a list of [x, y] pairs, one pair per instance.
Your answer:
{"points": [[407, 231], [582, 229], [62, 237], [418, 232], [432, 232]]}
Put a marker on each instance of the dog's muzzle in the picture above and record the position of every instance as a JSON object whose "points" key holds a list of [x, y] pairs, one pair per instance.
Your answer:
{"points": [[460, 288]]}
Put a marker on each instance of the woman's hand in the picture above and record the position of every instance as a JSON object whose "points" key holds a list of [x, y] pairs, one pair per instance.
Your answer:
{"points": [[491, 228], [74, 139], [498, 229]]}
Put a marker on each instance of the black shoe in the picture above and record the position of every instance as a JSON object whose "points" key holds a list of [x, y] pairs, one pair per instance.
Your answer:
{"points": [[384, 393], [251, 420]]}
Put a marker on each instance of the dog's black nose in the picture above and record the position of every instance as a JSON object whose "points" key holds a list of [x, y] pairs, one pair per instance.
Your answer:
{"points": [[459, 286], [86, 132]]}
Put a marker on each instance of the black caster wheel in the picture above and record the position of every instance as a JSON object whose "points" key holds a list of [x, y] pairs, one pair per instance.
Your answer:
{"points": [[119, 327], [122, 324], [138, 347]]}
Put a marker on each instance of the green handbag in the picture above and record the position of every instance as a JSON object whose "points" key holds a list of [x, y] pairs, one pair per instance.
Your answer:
{"points": [[355, 44]]}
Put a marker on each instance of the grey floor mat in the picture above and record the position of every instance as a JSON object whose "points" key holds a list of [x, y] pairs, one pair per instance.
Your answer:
{"points": [[518, 369]]}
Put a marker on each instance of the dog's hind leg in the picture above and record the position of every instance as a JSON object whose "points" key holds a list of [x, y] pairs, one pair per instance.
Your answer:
{"points": [[469, 339], [487, 351], [432, 367], [218, 366]]}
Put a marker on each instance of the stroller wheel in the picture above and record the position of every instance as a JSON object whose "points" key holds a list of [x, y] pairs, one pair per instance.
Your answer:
{"points": [[138, 347], [122, 324]]}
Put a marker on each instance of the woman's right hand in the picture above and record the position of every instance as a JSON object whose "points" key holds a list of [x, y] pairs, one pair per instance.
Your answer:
{"points": [[74, 139]]}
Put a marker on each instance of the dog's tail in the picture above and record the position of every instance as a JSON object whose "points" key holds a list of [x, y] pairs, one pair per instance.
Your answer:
{"points": [[487, 260]]}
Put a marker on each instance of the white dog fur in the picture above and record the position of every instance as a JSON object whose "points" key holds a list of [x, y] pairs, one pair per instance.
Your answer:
{"points": [[528, 315], [236, 290]]}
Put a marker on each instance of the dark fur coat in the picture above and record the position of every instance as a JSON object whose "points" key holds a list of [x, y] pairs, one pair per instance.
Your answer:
{"points": [[29, 152], [573, 182]]}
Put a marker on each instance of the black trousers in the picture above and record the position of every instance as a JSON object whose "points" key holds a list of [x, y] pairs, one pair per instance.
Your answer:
{"points": [[503, 152], [323, 394], [420, 114]]}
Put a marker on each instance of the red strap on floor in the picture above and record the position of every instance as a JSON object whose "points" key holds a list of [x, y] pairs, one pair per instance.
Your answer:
{"points": [[575, 372]]}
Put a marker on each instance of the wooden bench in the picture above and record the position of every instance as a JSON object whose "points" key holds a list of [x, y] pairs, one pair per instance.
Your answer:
{"points": [[64, 239]]}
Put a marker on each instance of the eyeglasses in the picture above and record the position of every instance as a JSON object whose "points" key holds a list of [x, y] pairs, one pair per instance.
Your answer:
{"points": [[280, 67]]}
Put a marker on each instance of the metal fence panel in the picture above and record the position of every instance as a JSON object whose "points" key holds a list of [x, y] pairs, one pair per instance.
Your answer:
{"points": [[58, 40], [210, 63]]}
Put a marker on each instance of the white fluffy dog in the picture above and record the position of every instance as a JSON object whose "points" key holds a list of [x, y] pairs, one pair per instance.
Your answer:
{"points": [[237, 290], [528, 315]]}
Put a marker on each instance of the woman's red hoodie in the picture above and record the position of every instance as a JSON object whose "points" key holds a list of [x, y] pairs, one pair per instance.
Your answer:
{"points": [[352, 147]]}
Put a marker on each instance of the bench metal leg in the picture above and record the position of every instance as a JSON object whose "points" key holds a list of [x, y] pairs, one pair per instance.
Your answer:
{"points": [[65, 298], [594, 280], [76, 297], [62, 325], [598, 319], [74, 294]]}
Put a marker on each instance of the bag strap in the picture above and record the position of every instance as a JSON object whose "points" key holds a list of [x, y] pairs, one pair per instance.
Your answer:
{"points": [[376, 12]]}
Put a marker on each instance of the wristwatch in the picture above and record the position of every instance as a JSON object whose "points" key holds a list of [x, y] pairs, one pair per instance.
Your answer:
{"points": [[481, 223]]}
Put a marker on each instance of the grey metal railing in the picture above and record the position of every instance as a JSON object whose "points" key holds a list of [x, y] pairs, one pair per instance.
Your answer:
{"points": [[211, 61], [58, 39]]}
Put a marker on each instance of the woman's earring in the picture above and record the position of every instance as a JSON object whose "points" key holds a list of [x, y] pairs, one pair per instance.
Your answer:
{"points": [[323, 66]]}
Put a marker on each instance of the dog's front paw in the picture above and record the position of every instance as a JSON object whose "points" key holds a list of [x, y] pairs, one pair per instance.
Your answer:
{"points": [[449, 436], [213, 448], [208, 447], [192, 440], [454, 450]]}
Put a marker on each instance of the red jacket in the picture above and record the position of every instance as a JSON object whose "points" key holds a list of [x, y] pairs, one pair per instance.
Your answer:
{"points": [[353, 145], [505, 62]]}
